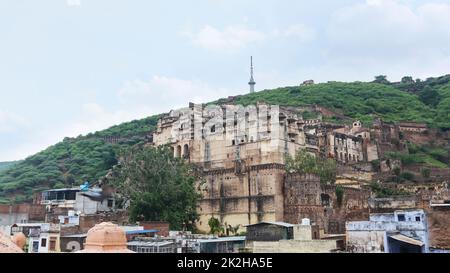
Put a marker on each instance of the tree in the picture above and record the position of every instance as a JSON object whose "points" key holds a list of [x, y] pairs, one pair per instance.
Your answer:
{"points": [[407, 79], [381, 79], [158, 186], [215, 226], [306, 163], [429, 96]]}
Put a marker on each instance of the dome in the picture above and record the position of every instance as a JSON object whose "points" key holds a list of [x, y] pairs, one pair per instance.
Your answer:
{"points": [[106, 237], [7, 245], [19, 239]]}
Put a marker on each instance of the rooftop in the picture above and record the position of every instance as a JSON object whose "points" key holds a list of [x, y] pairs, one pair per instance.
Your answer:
{"points": [[65, 189], [283, 224], [223, 239], [141, 231]]}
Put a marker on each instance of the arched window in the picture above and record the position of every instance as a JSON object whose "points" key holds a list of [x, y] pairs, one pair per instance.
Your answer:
{"points": [[186, 151], [178, 154], [325, 199]]}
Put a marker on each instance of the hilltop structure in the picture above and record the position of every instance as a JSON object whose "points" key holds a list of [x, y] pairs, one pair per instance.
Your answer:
{"points": [[241, 153], [252, 82]]}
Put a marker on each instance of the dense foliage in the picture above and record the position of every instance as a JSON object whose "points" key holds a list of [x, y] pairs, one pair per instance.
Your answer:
{"points": [[365, 101], [6, 165], [159, 187], [433, 156], [71, 161], [383, 191], [306, 163], [74, 160]]}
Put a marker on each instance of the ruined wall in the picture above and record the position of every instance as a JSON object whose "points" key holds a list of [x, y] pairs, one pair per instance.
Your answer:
{"points": [[389, 205], [163, 227], [438, 225], [247, 197], [12, 214], [305, 197], [364, 241], [302, 199]]}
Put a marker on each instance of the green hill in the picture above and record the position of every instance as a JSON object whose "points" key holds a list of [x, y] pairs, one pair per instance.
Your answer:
{"points": [[89, 157], [6, 165]]}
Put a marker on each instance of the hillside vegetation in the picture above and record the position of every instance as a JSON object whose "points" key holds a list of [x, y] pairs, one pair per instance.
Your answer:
{"points": [[87, 158], [71, 161], [6, 165]]}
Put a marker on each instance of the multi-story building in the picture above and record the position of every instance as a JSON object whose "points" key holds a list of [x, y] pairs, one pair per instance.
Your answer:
{"points": [[403, 231], [241, 152], [352, 145]]}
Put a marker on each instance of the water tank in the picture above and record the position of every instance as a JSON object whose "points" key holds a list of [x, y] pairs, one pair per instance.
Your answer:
{"points": [[306, 222]]}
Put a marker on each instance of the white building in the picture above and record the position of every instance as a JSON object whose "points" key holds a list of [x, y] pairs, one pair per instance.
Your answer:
{"points": [[404, 231], [73, 199]]}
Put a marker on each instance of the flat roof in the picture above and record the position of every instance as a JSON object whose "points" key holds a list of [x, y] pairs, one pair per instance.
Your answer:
{"points": [[223, 239], [28, 224], [65, 189], [408, 240], [328, 236], [283, 224], [143, 243], [141, 231], [74, 236], [440, 205]]}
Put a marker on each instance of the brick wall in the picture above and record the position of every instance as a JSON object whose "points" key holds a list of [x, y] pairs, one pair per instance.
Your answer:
{"points": [[163, 227]]}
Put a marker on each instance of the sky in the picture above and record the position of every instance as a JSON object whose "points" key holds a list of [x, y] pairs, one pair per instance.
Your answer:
{"points": [[70, 67]]}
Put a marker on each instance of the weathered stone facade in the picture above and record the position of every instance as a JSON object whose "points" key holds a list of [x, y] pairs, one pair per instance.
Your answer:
{"points": [[241, 155], [242, 168], [305, 197]]}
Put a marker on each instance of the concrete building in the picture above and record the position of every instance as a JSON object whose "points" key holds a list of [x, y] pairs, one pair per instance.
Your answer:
{"points": [[160, 246], [221, 245], [71, 199], [270, 231], [352, 144], [42, 237], [404, 231], [304, 238], [19, 213]]}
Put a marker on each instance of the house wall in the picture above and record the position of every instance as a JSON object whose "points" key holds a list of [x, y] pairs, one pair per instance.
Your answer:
{"points": [[305, 197], [295, 246], [366, 236], [363, 241], [268, 232]]}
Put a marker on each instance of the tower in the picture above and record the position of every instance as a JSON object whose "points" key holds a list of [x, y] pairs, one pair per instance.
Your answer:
{"points": [[252, 81]]}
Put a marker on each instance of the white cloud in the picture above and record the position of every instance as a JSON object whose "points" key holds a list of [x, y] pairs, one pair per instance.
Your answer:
{"points": [[301, 32], [391, 37], [73, 3], [230, 38], [161, 93], [237, 37], [136, 99]]}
